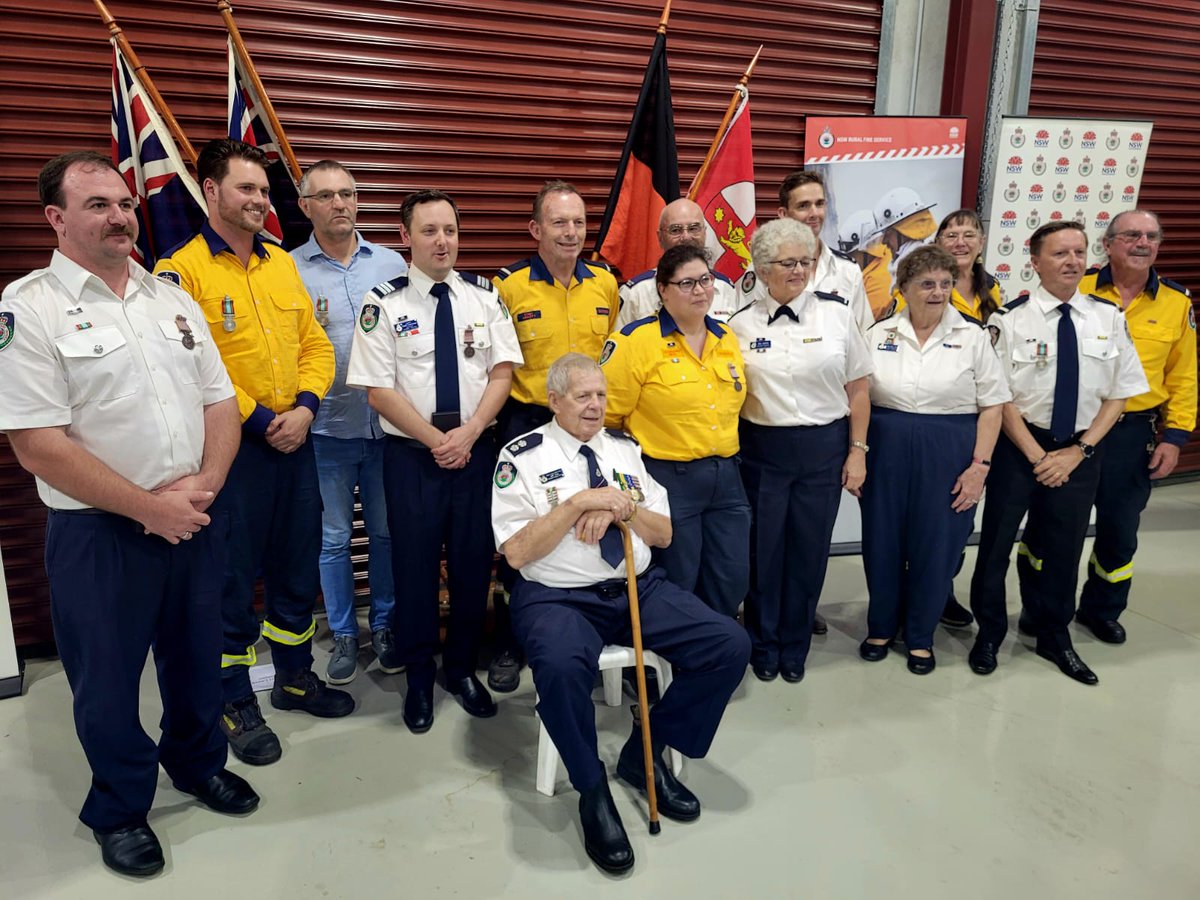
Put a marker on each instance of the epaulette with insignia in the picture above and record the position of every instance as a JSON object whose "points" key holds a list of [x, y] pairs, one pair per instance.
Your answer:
{"points": [[513, 267], [841, 254], [478, 280], [638, 279], [1102, 300], [1172, 283], [1013, 304], [524, 442], [382, 290], [823, 295], [637, 323], [620, 435]]}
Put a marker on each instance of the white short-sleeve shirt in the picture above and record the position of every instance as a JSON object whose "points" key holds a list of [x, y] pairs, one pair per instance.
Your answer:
{"points": [[956, 371], [639, 299], [115, 371], [1026, 334], [797, 370], [544, 468], [394, 341]]}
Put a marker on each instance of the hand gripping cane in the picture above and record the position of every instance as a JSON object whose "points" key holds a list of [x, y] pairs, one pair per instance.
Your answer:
{"points": [[639, 665]]}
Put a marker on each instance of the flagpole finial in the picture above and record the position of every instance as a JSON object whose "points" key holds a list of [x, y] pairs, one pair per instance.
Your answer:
{"points": [[107, 18], [662, 23]]}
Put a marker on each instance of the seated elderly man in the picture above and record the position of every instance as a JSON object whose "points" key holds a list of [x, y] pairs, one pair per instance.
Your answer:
{"points": [[558, 492]]}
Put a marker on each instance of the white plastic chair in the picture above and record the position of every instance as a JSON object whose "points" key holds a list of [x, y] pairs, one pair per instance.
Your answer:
{"points": [[613, 658]]}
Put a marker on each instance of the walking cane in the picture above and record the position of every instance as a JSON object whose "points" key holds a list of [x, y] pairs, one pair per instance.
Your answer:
{"points": [[639, 665]]}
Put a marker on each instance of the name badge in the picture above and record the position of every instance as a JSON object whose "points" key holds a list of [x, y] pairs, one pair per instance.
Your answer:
{"points": [[760, 345]]}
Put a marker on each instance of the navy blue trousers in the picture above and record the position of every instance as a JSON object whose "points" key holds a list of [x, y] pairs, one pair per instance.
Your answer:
{"points": [[430, 508], [1122, 494], [912, 540], [709, 554], [273, 501], [793, 479], [1048, 557], [115, 593], [563, 630]]}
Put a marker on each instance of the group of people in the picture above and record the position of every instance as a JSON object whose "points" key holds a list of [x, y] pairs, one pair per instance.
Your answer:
{"points": [[194, 430]]}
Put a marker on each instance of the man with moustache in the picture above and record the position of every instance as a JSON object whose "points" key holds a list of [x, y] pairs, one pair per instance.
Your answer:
{"points": [[1071, 366], [281, 364], [559, 304], [339, 266], [435, 351], [1163, 325], [117, 402], [681, 222]]}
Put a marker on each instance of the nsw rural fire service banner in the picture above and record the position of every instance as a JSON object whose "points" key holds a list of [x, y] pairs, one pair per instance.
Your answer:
{"points": [[887, 178], [1083, 169]]}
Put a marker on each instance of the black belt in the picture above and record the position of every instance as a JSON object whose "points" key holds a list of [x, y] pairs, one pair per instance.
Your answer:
{"points": [[90, 511], [1148, 414]]}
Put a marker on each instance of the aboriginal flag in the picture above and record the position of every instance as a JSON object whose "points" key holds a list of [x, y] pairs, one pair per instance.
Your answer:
{"points": [[647, 176]]}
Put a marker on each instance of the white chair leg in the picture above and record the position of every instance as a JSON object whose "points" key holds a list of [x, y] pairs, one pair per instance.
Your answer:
{"points": [[612, 686], [663, 669], [547, 762]]}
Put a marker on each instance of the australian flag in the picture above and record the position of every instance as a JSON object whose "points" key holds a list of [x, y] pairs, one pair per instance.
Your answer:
{"points": [[170, 205], [286, 224]]}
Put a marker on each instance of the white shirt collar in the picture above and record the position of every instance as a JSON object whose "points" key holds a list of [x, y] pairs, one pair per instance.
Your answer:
{"points": [[75, 277]]}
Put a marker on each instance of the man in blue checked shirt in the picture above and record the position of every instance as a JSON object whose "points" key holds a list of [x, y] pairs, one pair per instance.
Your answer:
{"points": [[339, 266]]}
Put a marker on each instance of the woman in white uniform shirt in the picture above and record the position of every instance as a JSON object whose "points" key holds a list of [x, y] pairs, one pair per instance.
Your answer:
{"points": [[803, 438], [936, 397]]}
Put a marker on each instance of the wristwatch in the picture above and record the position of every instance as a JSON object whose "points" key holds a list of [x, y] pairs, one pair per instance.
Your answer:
{"points": [[861, 446], [1088, 450]]}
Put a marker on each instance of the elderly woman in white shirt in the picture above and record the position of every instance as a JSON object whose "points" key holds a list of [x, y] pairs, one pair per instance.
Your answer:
{"points": [[937, 392], [803, 437]]}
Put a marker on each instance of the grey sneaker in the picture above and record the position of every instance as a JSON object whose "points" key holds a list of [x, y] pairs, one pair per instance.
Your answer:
{"points": [[384, 646], [343, 665]]}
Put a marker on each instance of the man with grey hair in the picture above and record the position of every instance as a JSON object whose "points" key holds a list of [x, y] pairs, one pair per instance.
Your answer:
{"points": [[339, 266], [1163, 326], [681, 222], [558, 492]]}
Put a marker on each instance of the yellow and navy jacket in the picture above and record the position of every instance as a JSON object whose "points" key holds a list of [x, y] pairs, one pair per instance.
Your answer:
{"points": [[677, 405], [1162, 324], [552, 320], [277, 355]]}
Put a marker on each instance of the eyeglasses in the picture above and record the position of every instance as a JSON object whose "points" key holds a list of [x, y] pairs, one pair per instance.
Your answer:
{"points": [[688, 285], [792, 265], [327, 196], [948, 236], [929, 285], [695, 229], [1132, 237]]}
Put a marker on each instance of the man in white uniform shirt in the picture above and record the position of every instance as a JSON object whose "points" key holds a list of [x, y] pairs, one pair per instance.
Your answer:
{"points": [[681, 222], [435, 350], [558, 492], [1071, 366]]}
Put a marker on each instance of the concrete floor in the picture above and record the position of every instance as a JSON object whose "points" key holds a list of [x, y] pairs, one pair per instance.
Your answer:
{"points": [[862, 781]]}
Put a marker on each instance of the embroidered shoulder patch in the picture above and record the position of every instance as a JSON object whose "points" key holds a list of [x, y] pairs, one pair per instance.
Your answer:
{"points": [[506, 474], [368, 318], [749, 280], [173, 277], [8, 327], [607, 352]]}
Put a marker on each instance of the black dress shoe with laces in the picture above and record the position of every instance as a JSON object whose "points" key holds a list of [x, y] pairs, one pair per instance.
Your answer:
{"points": [[131, 851], [674, 800], [765, 671], [224, 792], [982, 658], [473, 696], [1069, 664], [418, 708], [604, 836], [874, 652], [1108, 630]]}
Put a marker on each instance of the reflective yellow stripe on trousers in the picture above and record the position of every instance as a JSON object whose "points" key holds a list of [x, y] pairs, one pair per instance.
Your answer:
{"points": [[1122, 573], [290, 638], [248, 658], [1023, 550]]}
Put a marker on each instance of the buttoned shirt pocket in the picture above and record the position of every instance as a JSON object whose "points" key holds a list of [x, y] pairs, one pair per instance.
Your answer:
{"points": [[1026, 354], [415, 363], [599, 324], [185, 362], [243, 334], [532, 330], [289, 309], [1100, 349], [98, 364]]}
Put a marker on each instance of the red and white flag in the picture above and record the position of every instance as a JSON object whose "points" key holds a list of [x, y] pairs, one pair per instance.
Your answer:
{"points": [[727, 195]]}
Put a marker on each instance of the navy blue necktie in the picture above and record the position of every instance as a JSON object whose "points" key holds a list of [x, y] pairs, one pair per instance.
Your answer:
{"points": [[784, 310], [445, 351], [1066, 382], [612, 548]]}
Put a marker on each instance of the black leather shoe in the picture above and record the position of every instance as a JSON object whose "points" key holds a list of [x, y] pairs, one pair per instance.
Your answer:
{"points": [[473, 696], [304, 692], [224, 792], [504, 674], [955, 615], [820, 626], [874, 652], [131, 851], [1108, 630], [1026, 627], [418, 709], [982, 658], [604, 836], [1069, 664], [674, 800], [921, 665], [793, 673], [765, 671]]}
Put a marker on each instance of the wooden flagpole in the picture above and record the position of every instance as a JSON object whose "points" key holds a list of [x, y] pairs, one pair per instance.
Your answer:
{"points": [[143, 77], [738, 92], [239, 47]]}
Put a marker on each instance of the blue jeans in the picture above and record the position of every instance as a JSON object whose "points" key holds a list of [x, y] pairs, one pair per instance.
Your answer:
{"points": [[341, 464]]}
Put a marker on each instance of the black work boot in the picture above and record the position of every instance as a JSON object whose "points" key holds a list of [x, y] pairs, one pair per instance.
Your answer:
{"points": [[604, 836], [674, 800], [305, 692]]}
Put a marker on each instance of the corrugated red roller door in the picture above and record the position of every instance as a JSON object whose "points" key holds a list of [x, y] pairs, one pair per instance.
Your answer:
{"points": [[1135, 60], [483, 98]]}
